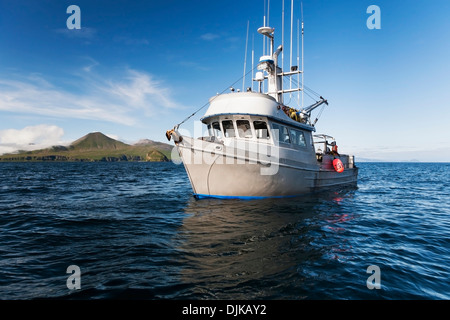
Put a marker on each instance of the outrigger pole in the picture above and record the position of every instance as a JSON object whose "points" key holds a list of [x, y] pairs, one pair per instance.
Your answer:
{"points": [[306, 113]]}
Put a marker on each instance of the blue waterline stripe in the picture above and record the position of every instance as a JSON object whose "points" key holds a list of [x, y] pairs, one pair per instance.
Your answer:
{"points": [[211, 196]]}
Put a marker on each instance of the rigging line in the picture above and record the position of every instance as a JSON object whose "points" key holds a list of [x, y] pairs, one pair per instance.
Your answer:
{"points": [[292, 97], [286, 82], [311, 90], [319, 115], [309, 95], [320, 112], [307, 89], [212, 99]]}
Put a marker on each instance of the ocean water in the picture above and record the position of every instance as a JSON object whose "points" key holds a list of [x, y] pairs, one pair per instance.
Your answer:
{"points": [[135, 232]]}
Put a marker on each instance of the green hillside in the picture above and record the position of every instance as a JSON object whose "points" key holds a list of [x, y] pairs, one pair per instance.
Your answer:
{"points": [[97, 147], [97, 140]]}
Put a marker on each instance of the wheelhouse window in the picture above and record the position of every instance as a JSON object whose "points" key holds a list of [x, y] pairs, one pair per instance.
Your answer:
{"points": [[283, 133], [298, 138], [244, 129], [228, 128], [214, 129], [261, 129], [210, 130]]}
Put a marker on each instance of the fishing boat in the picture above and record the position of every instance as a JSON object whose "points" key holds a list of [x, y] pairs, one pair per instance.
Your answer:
{"points": [[256, 146]]}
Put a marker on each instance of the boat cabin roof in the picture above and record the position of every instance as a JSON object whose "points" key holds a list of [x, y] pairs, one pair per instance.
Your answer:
{"points": [[250, 103]]}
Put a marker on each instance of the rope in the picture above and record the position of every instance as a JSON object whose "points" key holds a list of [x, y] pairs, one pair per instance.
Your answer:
{"points": [[231, 85]]}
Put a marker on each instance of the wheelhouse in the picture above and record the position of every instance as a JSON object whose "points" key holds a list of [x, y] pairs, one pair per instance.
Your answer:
{"points": [[258, 129]]}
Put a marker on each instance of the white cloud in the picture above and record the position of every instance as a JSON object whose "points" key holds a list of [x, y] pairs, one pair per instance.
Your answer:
{"points": [[83, 33], [30, 138], [112, 136], [126, 101], [209, 36], [141, 91], [92, 64], [130, 41]]}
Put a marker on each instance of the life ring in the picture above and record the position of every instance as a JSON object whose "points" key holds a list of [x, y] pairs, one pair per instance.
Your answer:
{"points": [[338, 165]]}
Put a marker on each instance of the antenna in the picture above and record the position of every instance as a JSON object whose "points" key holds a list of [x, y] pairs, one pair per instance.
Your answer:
{"points": [[292, 18], [253, 59], [268, 23], [282, 36], [245, 59], [264, 24], [303, 81], [264, 39], [298, 59]]}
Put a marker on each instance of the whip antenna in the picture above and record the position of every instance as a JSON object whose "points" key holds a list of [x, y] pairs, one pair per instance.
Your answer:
{"points": [[245, 59]]}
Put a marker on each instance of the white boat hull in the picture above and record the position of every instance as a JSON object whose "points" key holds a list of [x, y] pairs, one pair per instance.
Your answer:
{"points": [[220, 174]]}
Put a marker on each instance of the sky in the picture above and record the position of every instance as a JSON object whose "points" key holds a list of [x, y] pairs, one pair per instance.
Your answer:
{"points": [[135, 69]]}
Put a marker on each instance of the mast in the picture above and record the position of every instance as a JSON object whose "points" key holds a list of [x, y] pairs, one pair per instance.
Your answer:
{"points": [[303, 73], [269, 64]]}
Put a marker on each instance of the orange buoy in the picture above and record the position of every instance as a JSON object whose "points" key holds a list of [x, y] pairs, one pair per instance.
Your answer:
{"points": [[338, 165]]}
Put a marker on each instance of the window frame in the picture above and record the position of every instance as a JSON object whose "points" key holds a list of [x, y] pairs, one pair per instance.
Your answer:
{"points": [[244, 136], [280, 128], [228, 130], [293, 142], [215, 130], [268, 133]]}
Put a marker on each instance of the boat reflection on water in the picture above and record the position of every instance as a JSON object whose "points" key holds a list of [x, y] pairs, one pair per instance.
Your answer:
{"points": [[251, 249]]}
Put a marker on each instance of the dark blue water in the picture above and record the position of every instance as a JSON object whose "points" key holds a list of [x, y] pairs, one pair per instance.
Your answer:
{"points": [[135, 232]]}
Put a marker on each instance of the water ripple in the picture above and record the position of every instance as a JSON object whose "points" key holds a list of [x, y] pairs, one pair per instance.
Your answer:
{"points": [[136, 233]]}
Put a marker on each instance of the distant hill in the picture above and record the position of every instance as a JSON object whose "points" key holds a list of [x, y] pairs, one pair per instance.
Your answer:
{"points": [[156, 144], [97, 147], [144, 142], [97, 140]]}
